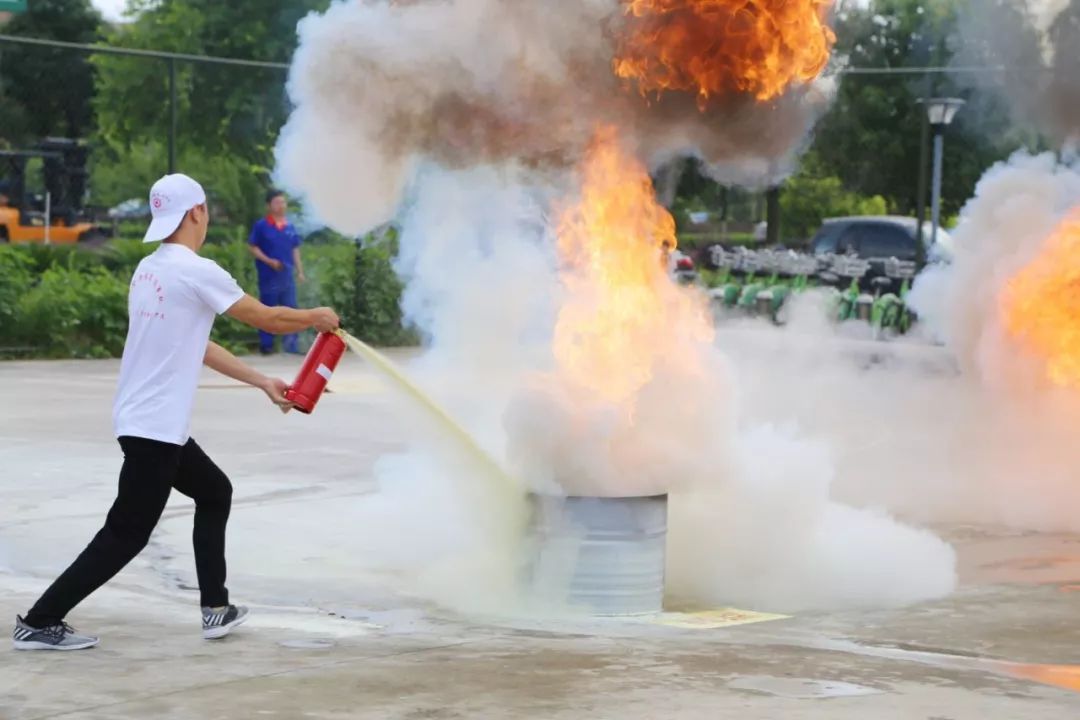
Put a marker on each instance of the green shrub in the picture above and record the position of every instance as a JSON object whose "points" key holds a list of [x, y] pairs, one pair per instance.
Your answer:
{"points": [[233, 185], [75, 312], [122, 256], [369, 309], [235, 257], [711, 278], [63, 301], [690, 241], [42, 257], [16, 279], [812, 195]]}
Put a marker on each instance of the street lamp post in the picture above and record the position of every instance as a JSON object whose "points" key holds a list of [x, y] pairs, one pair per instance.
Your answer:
{"points": [[941, 112]]}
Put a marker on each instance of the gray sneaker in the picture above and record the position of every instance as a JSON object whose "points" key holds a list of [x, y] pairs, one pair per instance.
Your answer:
{"points": [[54, 637], [219, 622]]}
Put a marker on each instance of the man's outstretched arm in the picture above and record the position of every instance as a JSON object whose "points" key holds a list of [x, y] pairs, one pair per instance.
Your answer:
{"points": [[282, 320], [219, 359]]}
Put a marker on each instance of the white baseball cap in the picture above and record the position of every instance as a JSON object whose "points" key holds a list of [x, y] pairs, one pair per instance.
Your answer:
{"points": [[170, 199]]}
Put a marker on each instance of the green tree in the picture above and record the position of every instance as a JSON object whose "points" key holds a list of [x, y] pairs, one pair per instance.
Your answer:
{"points": [[871, 138], [221, 108], [47, 91], [814, 194], [865, 155], [235, 187]]}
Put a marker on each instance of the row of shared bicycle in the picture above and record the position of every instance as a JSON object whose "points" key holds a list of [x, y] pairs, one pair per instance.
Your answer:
{"points": [[760, 282]]}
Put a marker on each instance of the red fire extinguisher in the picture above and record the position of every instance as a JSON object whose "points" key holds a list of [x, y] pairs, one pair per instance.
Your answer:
{"points": [[319, 365]]}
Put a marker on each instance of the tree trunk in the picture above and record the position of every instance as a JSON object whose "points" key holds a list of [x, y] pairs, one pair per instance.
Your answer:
{"points": [[667, 182], [724, 197], [772, 215]]}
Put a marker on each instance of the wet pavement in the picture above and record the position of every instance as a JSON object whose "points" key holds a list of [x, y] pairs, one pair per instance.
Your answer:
{"points": [[328, 639]]}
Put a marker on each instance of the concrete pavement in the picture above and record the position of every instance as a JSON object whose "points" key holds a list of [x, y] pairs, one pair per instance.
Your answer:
{"points": [[329, 639]]}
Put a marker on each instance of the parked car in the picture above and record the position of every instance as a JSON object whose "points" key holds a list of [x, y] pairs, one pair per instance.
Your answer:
{"points": [[133, 209], [682, 268], [878, 239]]}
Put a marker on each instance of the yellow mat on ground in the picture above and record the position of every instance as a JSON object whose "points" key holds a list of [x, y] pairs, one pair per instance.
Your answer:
{"points": [[711, 619]]}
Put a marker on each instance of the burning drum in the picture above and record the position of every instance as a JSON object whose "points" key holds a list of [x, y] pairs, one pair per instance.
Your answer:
{"points": [[605, 553]]}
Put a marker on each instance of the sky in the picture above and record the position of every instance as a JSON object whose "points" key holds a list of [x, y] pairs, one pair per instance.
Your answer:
{"points": [[111, 9]]}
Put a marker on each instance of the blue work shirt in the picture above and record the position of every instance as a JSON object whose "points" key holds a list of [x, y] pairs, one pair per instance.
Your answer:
{"points": [[277, 243]]}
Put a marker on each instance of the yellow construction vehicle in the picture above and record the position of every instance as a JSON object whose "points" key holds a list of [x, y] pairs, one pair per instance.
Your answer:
{"points": [[52, 216]]}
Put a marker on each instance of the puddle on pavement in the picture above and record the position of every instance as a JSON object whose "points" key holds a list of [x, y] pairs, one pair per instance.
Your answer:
{"points": [[800, 688], [399, 620]]}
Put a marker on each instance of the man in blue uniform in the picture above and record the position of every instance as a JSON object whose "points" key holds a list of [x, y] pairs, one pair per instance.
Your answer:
{"points": [[276, 246]]}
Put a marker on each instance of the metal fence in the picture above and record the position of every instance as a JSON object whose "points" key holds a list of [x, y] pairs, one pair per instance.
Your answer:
{"points": [[742, 210], [169, 61]]}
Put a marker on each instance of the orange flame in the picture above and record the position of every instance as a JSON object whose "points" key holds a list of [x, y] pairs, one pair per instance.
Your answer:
{"points": [[1041, 304], [716, 47], [623, 312]]}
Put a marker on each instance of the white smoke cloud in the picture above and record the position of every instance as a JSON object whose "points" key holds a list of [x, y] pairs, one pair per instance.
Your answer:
{"points": [[754, 518], [464, 120], [1017, 205], [377, 86], [994, 443], [971, 433], [481, 287], [1044, 12], [909, 433], [1034, 47], [773, 537]]}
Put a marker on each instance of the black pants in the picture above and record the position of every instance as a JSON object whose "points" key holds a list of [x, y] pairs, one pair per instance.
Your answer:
{"points": [[151, 470]]}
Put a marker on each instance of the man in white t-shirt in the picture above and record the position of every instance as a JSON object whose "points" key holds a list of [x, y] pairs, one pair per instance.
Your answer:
{"points": [[173, 299]]}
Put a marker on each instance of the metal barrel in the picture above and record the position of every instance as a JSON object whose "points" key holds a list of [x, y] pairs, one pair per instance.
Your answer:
{"points": [[611, 551]]}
